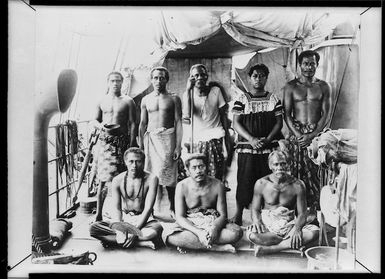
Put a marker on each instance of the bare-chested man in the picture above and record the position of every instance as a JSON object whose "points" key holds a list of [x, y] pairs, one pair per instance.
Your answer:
{"points": [[115, 117], [160, 133], [133, 197], [276, 197], [307, 109], [201, 212]]}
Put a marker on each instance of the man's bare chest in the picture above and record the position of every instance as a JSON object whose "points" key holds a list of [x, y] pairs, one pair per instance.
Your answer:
{"points": [[203, 201], [160, 104], [307, 93], [280, 195], [132, 189], [109, 105]]}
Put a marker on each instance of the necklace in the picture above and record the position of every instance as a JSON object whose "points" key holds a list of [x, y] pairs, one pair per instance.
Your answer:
{"points": [[140, 188]]}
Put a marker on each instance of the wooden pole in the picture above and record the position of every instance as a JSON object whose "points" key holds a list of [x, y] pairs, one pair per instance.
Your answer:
{"points": [[192, 119], [337, 244]]}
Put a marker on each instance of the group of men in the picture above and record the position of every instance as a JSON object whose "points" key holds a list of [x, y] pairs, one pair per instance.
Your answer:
{"points": [[277, 199]]}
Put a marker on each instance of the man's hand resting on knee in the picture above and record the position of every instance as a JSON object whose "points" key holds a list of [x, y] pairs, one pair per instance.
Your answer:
{"points": [[258, 227], [296, 239]]}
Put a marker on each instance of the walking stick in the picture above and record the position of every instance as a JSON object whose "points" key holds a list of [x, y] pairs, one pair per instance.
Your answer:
{"points": [[192, 119]]}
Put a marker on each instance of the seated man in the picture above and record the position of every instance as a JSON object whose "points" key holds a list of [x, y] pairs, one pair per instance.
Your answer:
{"points": [[133, 197], [275, 228], [201, 212]]}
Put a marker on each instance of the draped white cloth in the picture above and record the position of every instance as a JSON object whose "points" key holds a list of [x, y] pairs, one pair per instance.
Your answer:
{"points": [[175, 29], [133, 40]]}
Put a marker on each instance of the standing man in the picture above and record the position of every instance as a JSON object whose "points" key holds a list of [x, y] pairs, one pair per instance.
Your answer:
{"points": [[160, 133], [307, 109], [258, 122], [201, 212], [276, 198], [115, 117], [133, 197], [210, 123]]}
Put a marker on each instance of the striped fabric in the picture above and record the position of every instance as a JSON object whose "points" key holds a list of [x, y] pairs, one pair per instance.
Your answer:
{"points": [[247, 103], [258, 117]]}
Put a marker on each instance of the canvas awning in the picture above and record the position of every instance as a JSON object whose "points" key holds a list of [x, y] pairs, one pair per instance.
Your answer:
{"points": [[132, 41]]}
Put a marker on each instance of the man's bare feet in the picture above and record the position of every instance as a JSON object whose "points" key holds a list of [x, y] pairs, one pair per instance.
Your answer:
{"points": [[124, 239], [146, 243], [181, 250], [223, 248], [258, 250], [248, 233]]}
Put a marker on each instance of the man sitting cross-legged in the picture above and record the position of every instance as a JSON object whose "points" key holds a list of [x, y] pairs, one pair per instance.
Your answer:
{"points": [[201, 212], [133, 197], [276, 197]]}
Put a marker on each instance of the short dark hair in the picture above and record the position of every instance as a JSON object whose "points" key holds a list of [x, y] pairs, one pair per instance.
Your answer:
{"points": [[198, 66], [167, 75], [115, 73], [196, 156], [261, 67], [308, 53], [134, 150]]}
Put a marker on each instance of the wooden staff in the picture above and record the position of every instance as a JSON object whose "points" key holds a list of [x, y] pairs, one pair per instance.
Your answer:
{"points": [[192, 119]]}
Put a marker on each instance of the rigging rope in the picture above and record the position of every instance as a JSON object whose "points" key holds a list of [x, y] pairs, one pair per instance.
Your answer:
{"points": [[76, 67], [117, 55], [342, 80]]}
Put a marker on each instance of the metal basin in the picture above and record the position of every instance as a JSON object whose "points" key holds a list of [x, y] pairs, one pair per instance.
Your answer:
{"points": [[323, 258]]}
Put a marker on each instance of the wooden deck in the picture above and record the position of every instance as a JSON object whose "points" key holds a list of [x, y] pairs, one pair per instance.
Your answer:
{"points": [[167, 259]]}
